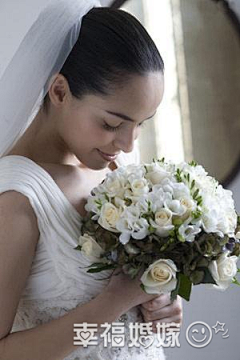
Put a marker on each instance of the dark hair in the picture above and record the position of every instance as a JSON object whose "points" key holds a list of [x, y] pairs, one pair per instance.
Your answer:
{"points": [[112, 46]]}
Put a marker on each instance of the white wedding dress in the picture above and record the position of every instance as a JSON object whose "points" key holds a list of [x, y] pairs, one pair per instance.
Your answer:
{"points": [[58, 281]]}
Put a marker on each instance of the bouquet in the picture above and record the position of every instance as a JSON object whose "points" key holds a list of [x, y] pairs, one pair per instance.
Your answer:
{"points": [[171, 221]]}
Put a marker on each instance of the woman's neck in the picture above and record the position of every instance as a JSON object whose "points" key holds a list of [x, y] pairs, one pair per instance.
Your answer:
{"points": [[41, 143]]}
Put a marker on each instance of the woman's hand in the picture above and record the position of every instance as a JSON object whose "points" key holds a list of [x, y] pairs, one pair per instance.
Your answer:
{"points": [[162, 310], [127, 290]]}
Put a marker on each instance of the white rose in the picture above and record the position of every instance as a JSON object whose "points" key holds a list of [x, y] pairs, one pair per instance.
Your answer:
{"points": [[180, 190], [162, 222], [109, 216], [89, 246], [223, 270], [139, 187], [113, 185], [156, 174], [160, 277], [163, 217]]}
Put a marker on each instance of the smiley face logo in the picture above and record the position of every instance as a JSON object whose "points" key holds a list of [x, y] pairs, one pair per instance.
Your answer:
{"points": [[199, 334]]}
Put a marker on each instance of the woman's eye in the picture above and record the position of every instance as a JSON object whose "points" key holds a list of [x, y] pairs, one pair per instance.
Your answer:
{"points": [[112, 128]]}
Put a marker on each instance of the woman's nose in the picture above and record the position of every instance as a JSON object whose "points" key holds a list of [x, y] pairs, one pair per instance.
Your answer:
{"points": [[125, 141]]}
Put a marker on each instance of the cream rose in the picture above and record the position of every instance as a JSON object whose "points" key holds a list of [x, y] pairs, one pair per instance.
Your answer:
{"points": [[162, 222], [109, 216], [139, 187], [160, 277], [163, 217], [157, 174], [89, 246], [223, 270]]}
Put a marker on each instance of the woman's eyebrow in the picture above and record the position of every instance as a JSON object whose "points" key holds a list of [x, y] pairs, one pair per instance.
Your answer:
{"points": [[125, 117]]}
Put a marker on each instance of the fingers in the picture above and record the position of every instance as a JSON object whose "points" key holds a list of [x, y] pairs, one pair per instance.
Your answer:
{"points": [[163, 311], [159, 302]]}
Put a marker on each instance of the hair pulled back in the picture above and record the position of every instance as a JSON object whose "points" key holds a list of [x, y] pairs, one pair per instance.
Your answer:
{"points": [[111, 47]]}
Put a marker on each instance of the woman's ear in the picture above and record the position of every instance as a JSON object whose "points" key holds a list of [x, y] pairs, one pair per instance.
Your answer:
{"points": [[59, 90]]}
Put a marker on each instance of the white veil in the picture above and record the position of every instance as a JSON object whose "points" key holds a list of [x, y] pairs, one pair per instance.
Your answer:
{"points": [[42, 53], [235, 6]]}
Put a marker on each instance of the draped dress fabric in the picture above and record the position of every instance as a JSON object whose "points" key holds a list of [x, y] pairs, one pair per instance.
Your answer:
{"points": [[58, 280]]}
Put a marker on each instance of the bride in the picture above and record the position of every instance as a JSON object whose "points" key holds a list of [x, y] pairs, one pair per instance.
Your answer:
{"points": [[105, 88]]}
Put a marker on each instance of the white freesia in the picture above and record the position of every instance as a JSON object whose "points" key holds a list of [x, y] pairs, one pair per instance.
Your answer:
{"points": [[94, 203], [119, 203], [195, 171], [210, 220], [131, 224], [175, 207], [223, 270], [188, 232], [109, 216], [89, 246], [157, 198], [160, 277], [228, 222]]}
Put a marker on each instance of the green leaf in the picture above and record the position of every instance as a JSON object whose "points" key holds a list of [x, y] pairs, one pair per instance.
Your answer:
{"points": [[193, 184], [174, 292], [97, 264], [208, 279], [195, 194], [151, 229], [192, 163], [185, 287], [143, 288], [78, 247], [238, 270], [99, 269], [235, 281]]}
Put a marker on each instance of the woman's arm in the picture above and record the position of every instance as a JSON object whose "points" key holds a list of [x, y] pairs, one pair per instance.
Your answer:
{"points": [[53, 340]]}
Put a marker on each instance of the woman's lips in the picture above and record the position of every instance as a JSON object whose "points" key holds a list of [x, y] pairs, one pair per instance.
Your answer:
{"points": [[108, 157]]}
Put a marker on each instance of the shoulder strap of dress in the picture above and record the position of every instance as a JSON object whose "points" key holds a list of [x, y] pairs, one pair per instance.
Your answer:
{"points": [[47, 200]]}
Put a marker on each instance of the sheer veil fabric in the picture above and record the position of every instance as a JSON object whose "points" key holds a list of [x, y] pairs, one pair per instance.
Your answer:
{"points": [[235, 6], [41, 54]]}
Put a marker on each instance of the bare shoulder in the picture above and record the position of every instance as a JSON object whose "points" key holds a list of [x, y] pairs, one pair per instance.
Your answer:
{"points": [[18, 238], [17, 204], [76, 183]]}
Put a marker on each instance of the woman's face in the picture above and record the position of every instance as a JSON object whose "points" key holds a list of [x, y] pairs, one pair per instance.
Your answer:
{"points": [[97, 128]]}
